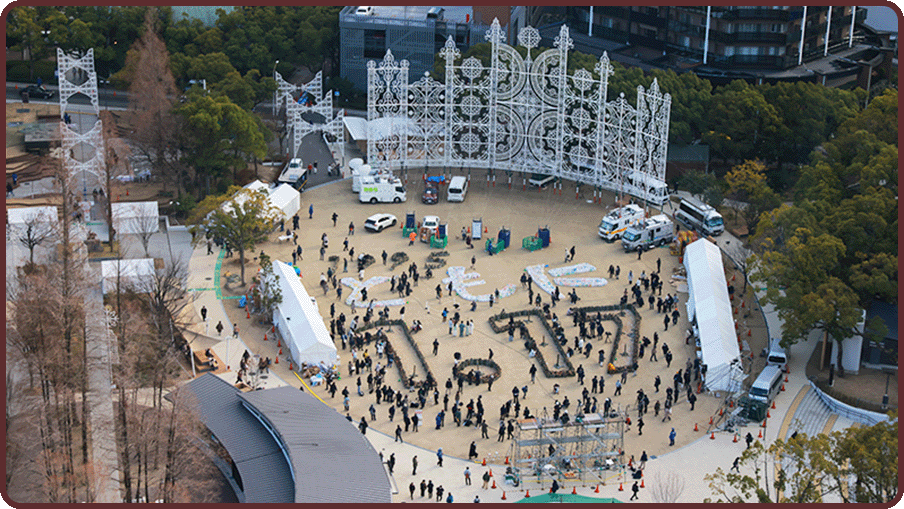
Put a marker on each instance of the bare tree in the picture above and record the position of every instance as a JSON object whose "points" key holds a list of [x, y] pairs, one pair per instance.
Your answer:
{"points": [[116, 154], [152, 95], [666, 488], [37, 229], [134, 221]]}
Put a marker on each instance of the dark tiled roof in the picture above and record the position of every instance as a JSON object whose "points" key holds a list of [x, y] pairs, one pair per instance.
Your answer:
{"points": [[260, 461], [332, 461]]}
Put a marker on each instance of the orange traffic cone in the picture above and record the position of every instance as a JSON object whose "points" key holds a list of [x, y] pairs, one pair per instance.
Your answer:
{"points": [[491, 472], [742, 303], [695, 427], [710, 420], [764, 423], [767, 415], [597, 490], [574, 491], [773, 405], [720, 411], [485, 229], [265, 336], [494, 484], [550, 490], [278, 343], [277, 360], [642, 483], [273, 329], [620, 487], [527, 495], [484, 462], [783, 388], [748, 333], [786, 378], [759, 434], [735, 439], [280, 351], [247, 315], [503, 495], [731, 404], [290, 365], [506, 460], [712, 435], [127, 192]]}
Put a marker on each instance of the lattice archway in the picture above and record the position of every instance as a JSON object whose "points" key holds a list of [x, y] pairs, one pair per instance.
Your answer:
{"points": [[525, 114]]}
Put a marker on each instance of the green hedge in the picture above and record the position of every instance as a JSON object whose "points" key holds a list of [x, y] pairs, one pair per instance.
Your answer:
{"points": [[19, 70]]}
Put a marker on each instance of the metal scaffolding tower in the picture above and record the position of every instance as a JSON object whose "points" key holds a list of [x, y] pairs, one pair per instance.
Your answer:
{"points": [[587, 450]]}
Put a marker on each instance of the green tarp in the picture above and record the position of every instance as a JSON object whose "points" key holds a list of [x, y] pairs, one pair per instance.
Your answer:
{"points": [[567, 498]]}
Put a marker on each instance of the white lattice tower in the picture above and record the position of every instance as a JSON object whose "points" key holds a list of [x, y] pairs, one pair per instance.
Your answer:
{"points": [[84, 152], [69, 67]]}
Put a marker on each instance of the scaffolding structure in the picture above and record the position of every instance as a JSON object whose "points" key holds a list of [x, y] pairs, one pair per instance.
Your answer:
{"points": [[588, 450]]}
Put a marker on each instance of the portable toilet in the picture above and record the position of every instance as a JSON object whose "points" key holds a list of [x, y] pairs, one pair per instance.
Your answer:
{"points": [[440, 240], [543, 233], [410, 220], [441, 231], [505, 236], [476, 228]]}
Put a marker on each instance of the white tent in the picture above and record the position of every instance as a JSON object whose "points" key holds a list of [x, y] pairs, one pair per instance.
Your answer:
{"points": [[708, 303], [135, 275], [135, 217], [18, 217], [299, 322], [286, 198]]}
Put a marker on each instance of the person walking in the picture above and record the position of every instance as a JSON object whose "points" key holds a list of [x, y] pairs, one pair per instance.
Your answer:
{"points": [[203, 313], [640, 425], [414, 464], [439, 493], [235, 330], [391, 463], [749, 439], [398, 431], [635, 489], [423, 487], [486, 480], [311, 211], [734, 466], [439, 456], [411, 489], [472, 453], [430, 489], [335, 217], [467, 476], [672, 436]]}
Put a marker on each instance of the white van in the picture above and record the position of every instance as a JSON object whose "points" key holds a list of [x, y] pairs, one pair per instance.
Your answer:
{"points": [[651, 232], [767, 385], [776, 355], [458, 188], [617, 221]]}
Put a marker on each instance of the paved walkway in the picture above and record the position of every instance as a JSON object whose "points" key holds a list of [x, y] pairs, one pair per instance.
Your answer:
{"points": [[100, 344]]}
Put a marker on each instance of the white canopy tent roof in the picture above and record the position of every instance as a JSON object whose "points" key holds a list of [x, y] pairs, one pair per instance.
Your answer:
{"points": [[299, 322], [286, 198], [20, 216], [708, 303], [135, 217], [133, 275]]}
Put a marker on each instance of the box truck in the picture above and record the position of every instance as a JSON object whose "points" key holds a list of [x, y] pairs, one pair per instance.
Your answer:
{"points": [[653, 231], [699, 216], [381, 189]]}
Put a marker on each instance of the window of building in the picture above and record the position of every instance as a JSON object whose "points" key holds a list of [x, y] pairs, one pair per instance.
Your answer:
{"points": [[686, 41], [374, 43], [778, 28], [729, 51]]}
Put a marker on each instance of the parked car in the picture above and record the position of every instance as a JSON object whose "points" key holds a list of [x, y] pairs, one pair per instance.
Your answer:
{"points": [[37, 92], [365, 10], [431, 222], [430, 196], [379, 222]]}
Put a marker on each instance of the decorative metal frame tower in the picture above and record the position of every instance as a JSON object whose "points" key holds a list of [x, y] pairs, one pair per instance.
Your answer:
{"points": [[518, 114], [294, 110], [83, 152], [581, 450]]}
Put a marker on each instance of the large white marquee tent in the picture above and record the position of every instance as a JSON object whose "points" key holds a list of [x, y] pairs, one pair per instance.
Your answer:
{"points": [[284, 197], [708, 303], [299, 321]]}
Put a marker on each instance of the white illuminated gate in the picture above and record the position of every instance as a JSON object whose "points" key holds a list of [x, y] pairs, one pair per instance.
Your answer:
{"points": [[517, 114]]}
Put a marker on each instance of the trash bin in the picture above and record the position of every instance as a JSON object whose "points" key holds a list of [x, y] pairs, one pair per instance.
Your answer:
{"points": [[543, 233]]}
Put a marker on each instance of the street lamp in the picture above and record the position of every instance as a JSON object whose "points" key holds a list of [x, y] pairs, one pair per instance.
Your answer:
{"points": [[277, 88]]}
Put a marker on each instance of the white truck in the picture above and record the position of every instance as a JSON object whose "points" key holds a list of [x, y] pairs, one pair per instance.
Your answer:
{"points": [[653, 231], [617, 221], [381, 189], [699, 216]]}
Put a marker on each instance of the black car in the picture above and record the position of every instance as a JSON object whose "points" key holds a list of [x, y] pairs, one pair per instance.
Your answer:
{"points": [[430, 196], [37, 92]]}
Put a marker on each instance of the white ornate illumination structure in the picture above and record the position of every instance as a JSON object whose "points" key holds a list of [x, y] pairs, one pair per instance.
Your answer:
{"points": [[296, 111], [83, 152], [519, 114]]}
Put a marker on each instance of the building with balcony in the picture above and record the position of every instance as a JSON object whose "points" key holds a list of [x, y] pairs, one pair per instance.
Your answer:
{"points": [[724, 42]]}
